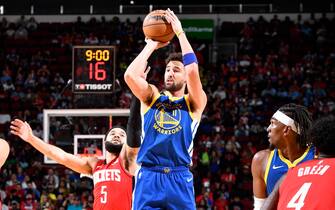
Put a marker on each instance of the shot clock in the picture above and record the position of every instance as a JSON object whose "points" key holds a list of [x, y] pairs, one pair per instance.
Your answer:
{"points": [[93, 69]]}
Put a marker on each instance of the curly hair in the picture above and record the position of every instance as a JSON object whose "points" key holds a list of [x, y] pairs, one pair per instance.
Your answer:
{"points": [[302, 119], [322, 135]]}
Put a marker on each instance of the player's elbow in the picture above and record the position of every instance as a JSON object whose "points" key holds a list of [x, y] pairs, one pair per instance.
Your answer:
{"points": [[127, 77], [4, 151], [130, 77]]}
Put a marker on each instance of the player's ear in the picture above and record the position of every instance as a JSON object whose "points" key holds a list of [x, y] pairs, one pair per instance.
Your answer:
{"points": [[287, 130]]}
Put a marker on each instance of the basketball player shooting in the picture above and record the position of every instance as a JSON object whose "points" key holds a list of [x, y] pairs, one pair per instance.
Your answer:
{"points": [[113, 176], [170, 121]]}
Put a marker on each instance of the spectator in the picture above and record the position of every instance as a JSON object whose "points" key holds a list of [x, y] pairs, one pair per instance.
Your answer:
{"points": [[52, 178], [21, 33], [29, 203], [91, 39], [74, 204], [31, 24], [38, 131]]}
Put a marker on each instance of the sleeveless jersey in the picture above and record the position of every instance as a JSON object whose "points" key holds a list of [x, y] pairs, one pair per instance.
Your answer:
{"points": [[168, 129], [309, 186], [278, 165], [112, 186]]}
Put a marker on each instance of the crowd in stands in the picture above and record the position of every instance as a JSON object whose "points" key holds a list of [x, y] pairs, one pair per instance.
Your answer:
{"points": [[278, 61]]}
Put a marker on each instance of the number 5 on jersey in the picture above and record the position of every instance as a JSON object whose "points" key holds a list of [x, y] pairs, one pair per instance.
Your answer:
{"points": [[297, 201], [103, 198]]}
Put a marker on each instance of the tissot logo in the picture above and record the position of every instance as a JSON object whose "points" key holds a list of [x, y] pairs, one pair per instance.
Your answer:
{"points": [[93, 86]]}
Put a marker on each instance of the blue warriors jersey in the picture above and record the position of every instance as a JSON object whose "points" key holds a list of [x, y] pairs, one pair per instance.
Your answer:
{"points": [[168, 130], [278, 165]]}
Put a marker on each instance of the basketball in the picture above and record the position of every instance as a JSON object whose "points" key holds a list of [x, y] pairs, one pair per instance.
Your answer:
{"points": [[156, 27]]}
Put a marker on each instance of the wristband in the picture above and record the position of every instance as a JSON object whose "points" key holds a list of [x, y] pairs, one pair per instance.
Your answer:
{"points": [[180, 32], [189, 58], [258, 203]]}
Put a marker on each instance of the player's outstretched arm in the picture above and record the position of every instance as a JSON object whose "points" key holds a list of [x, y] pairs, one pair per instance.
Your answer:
{"points": [[197, 96], [134, 73], [257, 169], [4, 151], [24, 131], [134, 127]]}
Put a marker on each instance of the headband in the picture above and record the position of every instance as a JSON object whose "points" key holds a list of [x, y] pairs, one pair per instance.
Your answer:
{"points": [[286, 120]]}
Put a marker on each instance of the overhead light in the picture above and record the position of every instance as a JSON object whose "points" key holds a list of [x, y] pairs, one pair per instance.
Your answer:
{"points": [[61, 9], [132, 2]]}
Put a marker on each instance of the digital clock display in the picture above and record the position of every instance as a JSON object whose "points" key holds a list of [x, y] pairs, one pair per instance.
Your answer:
{"points": [[93, 69]]}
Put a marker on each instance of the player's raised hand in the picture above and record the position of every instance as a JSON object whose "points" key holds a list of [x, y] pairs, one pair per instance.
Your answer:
{"points": [[155, 44], [21, 129], [174, 21]]}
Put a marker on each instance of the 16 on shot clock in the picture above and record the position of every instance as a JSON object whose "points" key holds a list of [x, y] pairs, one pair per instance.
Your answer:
{"points": [[93, 69]]}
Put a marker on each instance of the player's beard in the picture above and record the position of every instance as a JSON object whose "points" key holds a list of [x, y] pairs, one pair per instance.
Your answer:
{"points": [[174, 86], [113, 148]]}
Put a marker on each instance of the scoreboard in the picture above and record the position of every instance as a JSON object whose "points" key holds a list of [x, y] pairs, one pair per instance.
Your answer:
{"points": [[93, 69]]}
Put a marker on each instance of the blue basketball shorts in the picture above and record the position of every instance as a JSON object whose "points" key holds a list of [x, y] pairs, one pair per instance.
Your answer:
{"points": [[164, 188]]}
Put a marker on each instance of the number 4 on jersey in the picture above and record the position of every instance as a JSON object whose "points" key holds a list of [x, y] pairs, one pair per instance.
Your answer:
{"points": [[298, 199]]}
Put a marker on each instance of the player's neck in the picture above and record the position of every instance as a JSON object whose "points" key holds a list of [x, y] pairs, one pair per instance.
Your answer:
{"points": [[110, 157], [178, 93], [293, 152]]}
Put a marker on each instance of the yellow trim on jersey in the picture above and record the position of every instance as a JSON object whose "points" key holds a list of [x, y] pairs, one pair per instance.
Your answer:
{"points": [[167, 93], [172, 98], [152, 103], [189, 106], [267, 169], [288, 163]]}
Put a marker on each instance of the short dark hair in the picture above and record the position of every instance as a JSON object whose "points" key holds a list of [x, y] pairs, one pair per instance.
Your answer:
{"points": [[115, 126], [302, 119], [174, 57], [322, 135]]}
